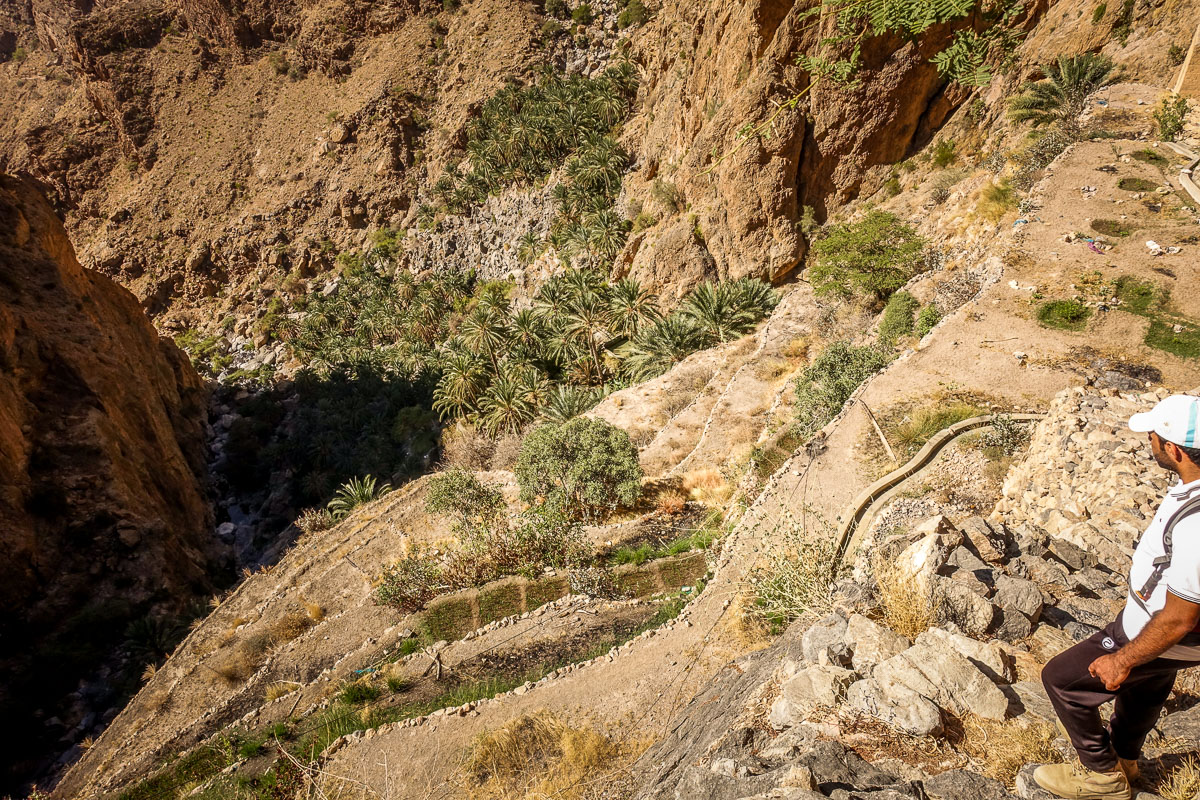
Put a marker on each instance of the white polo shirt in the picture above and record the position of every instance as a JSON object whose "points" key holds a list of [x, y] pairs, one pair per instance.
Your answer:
{"points": [[1182, 577]]}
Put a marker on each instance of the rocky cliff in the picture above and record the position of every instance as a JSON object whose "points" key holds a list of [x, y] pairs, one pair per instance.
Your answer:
{"points": [[103, 517]]}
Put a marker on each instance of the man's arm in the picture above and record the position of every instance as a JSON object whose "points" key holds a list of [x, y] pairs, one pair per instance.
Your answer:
{"points": [[1164, 630]]}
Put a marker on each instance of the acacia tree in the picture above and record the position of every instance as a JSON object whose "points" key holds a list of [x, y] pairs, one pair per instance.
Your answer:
{"points": [[588, 466], [874, 256]]}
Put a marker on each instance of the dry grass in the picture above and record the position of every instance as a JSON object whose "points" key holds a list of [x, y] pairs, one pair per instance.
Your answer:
{"points": [[1002, 748], [1183, 782], [504, 456], [671, 503], [538, 755], [315, 611], [463, 446], [289, 627], [746, 624], [772, 369], [279, 689], [706, 485], [150, 671], [797, 348], [906, 608]]}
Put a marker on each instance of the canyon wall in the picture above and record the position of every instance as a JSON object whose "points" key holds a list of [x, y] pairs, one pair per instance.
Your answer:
{"points": [[103, 517]]}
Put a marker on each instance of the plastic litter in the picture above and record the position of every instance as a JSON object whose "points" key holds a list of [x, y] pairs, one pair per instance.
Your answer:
{"points": [[1019, 222], [1109, 168]]}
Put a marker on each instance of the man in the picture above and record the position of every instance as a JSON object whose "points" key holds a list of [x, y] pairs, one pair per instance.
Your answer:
{"points": [[1135, 659]]}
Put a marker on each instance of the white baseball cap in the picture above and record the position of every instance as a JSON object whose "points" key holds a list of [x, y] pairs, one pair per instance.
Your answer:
{"points": [[1175, 418]]}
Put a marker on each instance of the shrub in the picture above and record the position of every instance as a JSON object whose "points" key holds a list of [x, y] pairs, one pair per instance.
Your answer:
{"points": [[635, 13], [802, 568], [825, 385], [1098, 13], [874, 256], [667, 195], [998, 199], [549, 30], [1037, 156], [944, 152], [1176, 55], [897, 318], [354, 493], [1007, 436], [1170, 115], [927, 319], [582, 14], [586, 465], [279, 62], [315, 520], [410, 583], [459, 493], [1069, 315], [556, 8]]}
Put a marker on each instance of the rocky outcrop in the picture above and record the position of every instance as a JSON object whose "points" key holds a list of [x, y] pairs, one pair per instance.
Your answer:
{"points": [[102, 510]]}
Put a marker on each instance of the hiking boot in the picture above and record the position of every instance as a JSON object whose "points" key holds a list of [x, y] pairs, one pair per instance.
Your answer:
{"points": [[1131, 769], [1077, 782]]}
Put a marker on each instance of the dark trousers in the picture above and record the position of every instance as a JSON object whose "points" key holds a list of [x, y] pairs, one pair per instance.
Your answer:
{"points": [[1077, 698]]}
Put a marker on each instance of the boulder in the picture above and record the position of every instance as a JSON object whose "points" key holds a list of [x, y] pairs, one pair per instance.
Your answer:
{"points": [[1018, 594], [955, 602], [935, 670], [897, 706], [871, 642], [988, 656], [924, 557], [1011, 626], [987, 542], [824, 642], [959, 784], [808, 689]]}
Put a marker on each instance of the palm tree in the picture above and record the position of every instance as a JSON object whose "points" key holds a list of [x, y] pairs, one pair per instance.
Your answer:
{"points": [[567, 402], [712, 309], [458, 389], [354, 493], [528, 247], [485, 333], [584, 324], [630, 307], [606, 232], [662, 345], [528, 331], [505, 406], [1061, 98]]}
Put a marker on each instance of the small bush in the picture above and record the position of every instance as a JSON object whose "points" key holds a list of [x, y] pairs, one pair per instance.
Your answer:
{"points": [[825, 385], [582, 14], [892, 187], [667, 195], [1176, 55], [557, 8], [927, 319], [1136, 185], [410, 583], [998, 199], [587, 465], [802, 567], [635, 13], [874, 256], [315, 520], [897, 318], [279, 62], [1098, 14], [1170, 115], [1111, 227], [1068, 315], [1007, 436], [396, 684], [907, 609], [945, 152]]}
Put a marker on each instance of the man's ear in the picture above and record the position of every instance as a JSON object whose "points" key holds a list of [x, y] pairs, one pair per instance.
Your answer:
{"points": [[1172, 450]]}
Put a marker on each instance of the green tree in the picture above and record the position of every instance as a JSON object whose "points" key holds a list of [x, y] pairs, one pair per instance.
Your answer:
{"points": [[662, 345], [874, 256], [472, 503], [1061, 98], [630, 306], [586, 466]]}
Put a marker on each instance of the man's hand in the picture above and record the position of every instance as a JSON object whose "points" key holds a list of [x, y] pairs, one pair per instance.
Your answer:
{"points": [[1109, 669]]}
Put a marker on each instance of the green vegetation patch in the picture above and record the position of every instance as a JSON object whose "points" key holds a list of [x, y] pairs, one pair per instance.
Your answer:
{"points": [[449, 618], [1185, 343], [1149, 156], [1067, 315], [498, 602], [1138, 296], [1111, 227], [1132, 184], [897, 318], [825, 385]]}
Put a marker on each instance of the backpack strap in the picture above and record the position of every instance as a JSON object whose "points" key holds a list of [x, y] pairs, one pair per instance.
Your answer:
{"points": [[1190, 507]]}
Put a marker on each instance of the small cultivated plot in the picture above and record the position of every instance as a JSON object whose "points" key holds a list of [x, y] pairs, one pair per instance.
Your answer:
{"points": [[1067, 315], [1112, 227], [1168, 331], [393, 692], [1132, 184]]}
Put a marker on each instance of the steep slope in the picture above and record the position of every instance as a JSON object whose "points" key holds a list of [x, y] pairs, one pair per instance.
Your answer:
{"points": [[103, 515]]}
